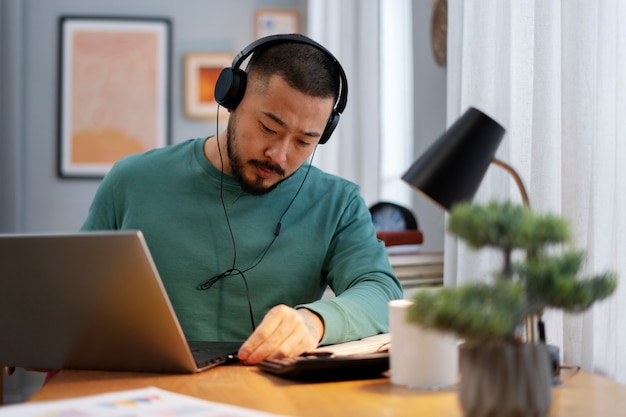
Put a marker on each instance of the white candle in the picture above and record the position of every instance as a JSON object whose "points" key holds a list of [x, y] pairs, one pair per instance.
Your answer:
{"points": [[420, 357]]}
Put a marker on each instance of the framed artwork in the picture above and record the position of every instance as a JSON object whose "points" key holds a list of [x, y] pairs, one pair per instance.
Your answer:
{"points": [[275, 22], [114, 91], [201, 72]]}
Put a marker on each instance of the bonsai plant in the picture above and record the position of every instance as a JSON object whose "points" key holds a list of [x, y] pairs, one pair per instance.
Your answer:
{"points": [[539, 270]]}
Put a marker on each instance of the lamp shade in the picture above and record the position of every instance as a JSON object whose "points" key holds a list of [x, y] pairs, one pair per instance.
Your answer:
{"points": [[452, 169]]}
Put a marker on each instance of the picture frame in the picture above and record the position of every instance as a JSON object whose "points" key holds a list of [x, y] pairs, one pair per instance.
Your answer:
{"points": [[201, 70], [114, 91], [276, 21]]}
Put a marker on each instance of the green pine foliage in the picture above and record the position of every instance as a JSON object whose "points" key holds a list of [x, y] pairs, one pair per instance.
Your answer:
{"points": [[478, 311], [546, 276]]}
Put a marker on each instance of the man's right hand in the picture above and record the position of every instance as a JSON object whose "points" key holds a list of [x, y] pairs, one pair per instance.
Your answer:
{"points": [[284, 332]]}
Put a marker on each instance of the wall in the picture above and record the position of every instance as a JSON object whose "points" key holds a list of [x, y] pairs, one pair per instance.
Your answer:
{"points": [[32, 197]]}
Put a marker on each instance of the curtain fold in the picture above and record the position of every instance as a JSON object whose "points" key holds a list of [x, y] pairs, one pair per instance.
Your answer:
{"points": [[550, 73], [350, 30]]}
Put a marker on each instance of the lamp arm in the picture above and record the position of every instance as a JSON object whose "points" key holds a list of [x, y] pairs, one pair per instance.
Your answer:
{"points": [[518, 180], [532, 321]]}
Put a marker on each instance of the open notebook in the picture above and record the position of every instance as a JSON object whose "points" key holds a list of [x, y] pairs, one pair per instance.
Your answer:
{"points": [[95, 301]]}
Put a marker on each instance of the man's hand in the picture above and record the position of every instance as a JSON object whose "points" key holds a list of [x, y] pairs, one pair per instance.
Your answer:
{"points": [[284, 332]]}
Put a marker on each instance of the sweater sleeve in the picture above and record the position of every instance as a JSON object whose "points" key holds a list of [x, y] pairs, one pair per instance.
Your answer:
{"points": [[102, 213], [359, 273]]}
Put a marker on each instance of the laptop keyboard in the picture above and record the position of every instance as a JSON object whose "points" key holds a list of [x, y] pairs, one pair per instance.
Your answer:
{"points": [[207, 354]]}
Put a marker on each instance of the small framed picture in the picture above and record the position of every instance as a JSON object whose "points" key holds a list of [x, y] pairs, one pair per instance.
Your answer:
{"points": [[114, 91], [201, 71], [276, 21]]}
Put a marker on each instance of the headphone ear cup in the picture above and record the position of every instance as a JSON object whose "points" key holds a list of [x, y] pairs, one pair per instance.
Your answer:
{"points": [[332, 123], [230, 87]]}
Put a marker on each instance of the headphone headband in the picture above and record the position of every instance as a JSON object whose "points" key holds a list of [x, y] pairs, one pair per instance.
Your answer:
{"points": [[231, 84]]}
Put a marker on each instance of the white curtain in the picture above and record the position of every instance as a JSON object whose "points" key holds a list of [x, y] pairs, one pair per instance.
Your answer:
{"points": [[350, 30], [554, 74]]}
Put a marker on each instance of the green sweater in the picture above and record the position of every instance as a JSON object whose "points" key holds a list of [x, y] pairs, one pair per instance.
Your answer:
{"points": [[172, 195]]}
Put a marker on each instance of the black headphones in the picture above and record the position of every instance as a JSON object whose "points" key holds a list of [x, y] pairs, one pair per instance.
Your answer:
{"points": [[230, 86]]}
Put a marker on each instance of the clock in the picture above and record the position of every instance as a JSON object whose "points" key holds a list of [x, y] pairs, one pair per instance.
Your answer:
{"points": [[439, 32], [392, 217]]}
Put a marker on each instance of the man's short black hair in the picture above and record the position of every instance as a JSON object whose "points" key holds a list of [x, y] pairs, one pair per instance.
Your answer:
{"points": [[303, 66]]}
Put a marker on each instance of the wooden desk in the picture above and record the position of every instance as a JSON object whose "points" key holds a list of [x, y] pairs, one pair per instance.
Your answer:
{"points": [[583, 394]]}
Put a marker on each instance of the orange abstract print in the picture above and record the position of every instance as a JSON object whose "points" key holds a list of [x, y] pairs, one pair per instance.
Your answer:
{"points": [[114, 91], [206, 83]]}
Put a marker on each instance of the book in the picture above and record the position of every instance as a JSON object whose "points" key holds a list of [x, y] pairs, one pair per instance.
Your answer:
{"points": [[372, 344], [401, 237]]}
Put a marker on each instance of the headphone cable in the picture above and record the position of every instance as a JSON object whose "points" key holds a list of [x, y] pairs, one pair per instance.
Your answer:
{"points": [[233, 270]]}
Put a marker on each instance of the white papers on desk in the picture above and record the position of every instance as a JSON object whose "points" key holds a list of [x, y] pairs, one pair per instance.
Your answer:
{"points": [[372, 344], [145, 402]]}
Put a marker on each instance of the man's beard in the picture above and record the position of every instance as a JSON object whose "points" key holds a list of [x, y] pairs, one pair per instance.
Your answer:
{"points": [[237, 165]]}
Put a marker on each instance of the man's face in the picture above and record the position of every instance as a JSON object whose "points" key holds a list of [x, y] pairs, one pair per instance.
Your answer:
{"points": [[272, 132]]}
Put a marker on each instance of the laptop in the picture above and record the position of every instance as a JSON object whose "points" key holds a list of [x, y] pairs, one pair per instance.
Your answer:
{"points": [[95, 301]]}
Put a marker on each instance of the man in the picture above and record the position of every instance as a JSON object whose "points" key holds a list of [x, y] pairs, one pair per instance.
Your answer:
{"points": [[245, 233]]}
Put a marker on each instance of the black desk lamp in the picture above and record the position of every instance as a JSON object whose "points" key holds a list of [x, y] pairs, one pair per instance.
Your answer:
{"points": [[451, 170]]}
